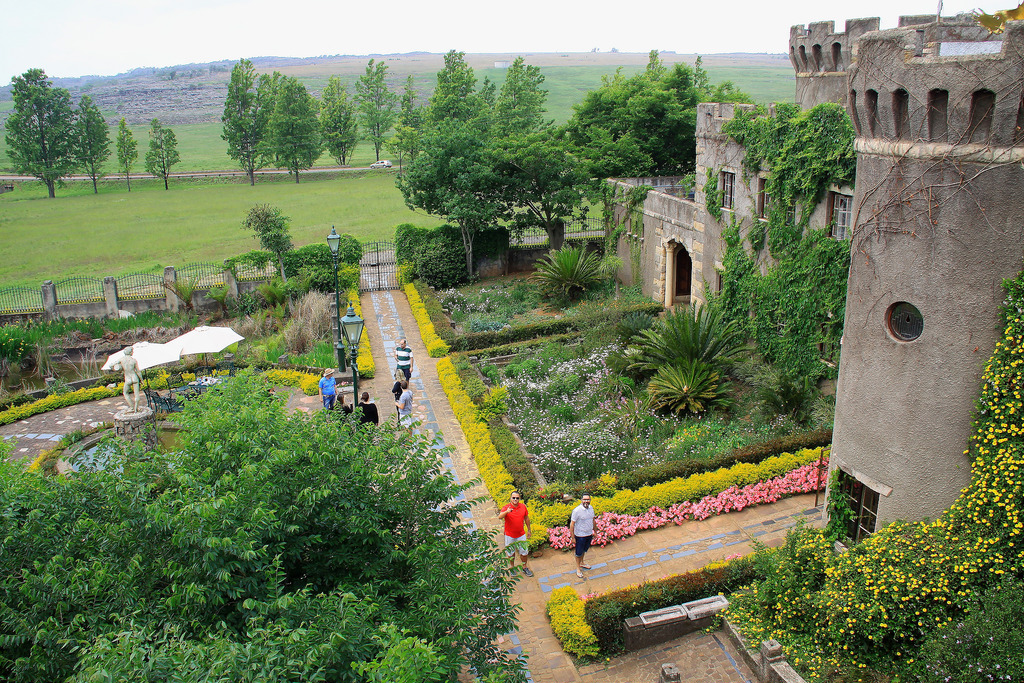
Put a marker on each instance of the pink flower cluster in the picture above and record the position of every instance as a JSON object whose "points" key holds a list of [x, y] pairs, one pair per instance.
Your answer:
{"points": [[611, 526]]}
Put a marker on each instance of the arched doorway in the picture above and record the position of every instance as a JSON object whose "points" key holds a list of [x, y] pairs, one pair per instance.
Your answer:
{"points": [[684, 272]]}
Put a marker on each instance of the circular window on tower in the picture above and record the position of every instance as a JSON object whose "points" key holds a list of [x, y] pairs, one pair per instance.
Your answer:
{"points": [[905, 321]]}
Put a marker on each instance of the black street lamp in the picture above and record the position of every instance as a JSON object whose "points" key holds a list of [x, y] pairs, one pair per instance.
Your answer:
{"points": [[353, 325], [333, 241]]}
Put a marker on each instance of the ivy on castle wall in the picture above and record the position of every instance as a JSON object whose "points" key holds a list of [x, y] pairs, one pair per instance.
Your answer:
{"points": [[795, 310]]}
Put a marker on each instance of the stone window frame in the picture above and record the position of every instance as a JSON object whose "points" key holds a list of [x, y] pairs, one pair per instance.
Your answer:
{"points": [[764, 200], [727, 181]]}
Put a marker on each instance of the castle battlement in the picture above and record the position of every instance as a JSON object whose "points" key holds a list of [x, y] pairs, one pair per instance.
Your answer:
{"points": [[711, 116], [819, 49], [947, 82]]}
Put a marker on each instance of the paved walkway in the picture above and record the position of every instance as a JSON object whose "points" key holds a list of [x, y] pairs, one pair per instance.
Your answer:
{"points": [[703, 658]]}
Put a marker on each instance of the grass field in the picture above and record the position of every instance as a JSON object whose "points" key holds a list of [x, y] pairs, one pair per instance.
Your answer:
{"points": [[117, 232]]}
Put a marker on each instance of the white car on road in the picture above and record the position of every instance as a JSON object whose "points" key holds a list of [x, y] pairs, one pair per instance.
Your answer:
{"points": [[383, 163]]}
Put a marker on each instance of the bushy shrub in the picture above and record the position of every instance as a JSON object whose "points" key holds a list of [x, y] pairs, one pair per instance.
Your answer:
{"points": [[690, 388], [436, 347], [442, 262], [566, 612], [631, 325], [782, 393], [493, 404], [514, 460]]}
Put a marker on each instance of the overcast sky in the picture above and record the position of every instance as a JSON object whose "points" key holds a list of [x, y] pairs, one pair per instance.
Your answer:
{"points": [[76, 37]]}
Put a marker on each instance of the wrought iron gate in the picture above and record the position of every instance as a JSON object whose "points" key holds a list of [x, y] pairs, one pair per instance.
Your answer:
{"points": [[378, 268]]}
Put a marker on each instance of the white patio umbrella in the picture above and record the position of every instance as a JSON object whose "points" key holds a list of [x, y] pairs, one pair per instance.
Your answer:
{"points": [[205, 339], [147, 355]]}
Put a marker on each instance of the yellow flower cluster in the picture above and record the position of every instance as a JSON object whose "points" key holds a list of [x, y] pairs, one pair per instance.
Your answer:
{"points": [[568, 621], [308, 383], [435, 345], [681, 489], [364, 361], [55, 401], [478, 435]]}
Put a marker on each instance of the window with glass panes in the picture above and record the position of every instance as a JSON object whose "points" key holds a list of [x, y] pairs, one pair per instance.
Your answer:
{"points": [[842, 215], [864, 503], [728, 181]]}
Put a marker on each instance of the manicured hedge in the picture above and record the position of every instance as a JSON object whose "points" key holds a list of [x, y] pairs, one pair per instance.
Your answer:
{"points": [[606, 613], [442, 325], [478, 435], [692, 488], [436, 347], [753, 453], [566, 612], [364, 361], [308, 383]]}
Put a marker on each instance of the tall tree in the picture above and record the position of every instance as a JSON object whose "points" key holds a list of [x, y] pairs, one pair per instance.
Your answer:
{"points": [[520, 105], [407, 140], [377, 103], [127, 151], [93, 139], [338, 121], [163, 151], [454, 97], [541, 180], [271, 228], [247, 110], [41, 134], [294, 127]]}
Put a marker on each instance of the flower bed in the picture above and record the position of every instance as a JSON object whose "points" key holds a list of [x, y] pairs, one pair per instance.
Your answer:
{"points": [[364, 361], [566, 612], [56, 401], [610, 526], [436, 347]]}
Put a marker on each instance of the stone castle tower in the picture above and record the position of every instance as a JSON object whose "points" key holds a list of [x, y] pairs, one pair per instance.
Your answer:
{"points": [[939, 223]]}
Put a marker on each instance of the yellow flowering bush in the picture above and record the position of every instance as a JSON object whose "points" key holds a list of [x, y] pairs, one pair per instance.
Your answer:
{"points": [[435, 345], [364, 361], [882, 600], [496, 478], [307, 382], [568, 621], [681, 489], [55, 401]]}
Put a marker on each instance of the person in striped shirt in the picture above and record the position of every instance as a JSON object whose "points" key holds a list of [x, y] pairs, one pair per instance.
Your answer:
{"points": [[403, 358]]}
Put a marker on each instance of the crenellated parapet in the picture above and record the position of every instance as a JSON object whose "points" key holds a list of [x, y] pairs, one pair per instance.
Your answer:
{"points": [[821, 57], [948, 84]]}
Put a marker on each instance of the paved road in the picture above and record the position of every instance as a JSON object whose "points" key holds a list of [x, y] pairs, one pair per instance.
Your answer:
{"points": [[228, 173]]}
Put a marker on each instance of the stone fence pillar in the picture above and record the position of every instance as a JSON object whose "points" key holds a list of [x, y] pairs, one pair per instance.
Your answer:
{"points": [[49, 300], [230, 282], [110, 296], [170, 280]]}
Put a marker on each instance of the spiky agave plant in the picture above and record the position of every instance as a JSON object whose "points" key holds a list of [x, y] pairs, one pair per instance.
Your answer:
{"points": [[567, 272], [689, 387]]}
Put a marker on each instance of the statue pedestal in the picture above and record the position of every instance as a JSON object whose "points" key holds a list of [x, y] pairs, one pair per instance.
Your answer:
{"points": [[140, 426]]}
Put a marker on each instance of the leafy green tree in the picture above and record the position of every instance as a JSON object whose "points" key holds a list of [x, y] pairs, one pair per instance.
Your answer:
{"points": [[377, 104], [520, 104], [407, 140], [42, 139], [645, 125], [163, 151], [294, 127], [263, 549], [271, 228], [541, 180], [454, 98], [247, 110], [338, 121], [93, 139], [127, 151]]}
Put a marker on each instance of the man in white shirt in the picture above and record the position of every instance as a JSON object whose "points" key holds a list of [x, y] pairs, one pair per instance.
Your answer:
{"points": [[581, 526]]}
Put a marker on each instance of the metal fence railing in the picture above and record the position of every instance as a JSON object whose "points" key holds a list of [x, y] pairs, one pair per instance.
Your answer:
{"points": [[206, 275], [139, 286], [247, 272], [79, 290], [575, 230], [20, 300]]}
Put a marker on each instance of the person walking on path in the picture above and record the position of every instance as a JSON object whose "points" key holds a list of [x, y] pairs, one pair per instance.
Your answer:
{"points": [[328, 389], [404, 405], [367, 410], [403, 357], [517, 531], [396, 388], [581, 526]]}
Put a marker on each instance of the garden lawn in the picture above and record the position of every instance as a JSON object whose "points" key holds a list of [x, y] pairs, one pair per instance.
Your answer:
{"points": [[118, 232]]}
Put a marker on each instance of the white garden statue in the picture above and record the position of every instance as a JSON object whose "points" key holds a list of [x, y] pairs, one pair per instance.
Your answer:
{"points": [[131, 377]]}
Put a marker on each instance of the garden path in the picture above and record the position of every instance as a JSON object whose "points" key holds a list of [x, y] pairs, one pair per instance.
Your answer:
{"points": [[706, 658]]}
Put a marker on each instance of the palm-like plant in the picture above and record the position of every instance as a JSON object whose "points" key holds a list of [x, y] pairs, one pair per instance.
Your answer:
{"points": [[687, 388], [689, 335], [567, 272]]}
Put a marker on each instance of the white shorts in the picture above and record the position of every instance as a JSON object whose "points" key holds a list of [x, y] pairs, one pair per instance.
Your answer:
{"points": [[405, 420], [522, 543]]}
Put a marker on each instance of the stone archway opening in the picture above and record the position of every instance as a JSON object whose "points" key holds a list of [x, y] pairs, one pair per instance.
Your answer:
{"points": [[683, 274]]}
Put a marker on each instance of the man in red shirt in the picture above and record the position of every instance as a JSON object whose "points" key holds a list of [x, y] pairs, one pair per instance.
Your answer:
{"points": [[517, 531]]}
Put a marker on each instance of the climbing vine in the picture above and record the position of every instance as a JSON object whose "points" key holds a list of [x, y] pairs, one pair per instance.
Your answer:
{"points": [[795, 309]]}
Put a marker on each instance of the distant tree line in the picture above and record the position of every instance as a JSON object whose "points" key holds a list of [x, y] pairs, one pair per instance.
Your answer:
{"points": [[49, 139]]}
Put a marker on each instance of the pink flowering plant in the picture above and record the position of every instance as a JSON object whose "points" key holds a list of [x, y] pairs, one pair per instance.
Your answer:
{"points": [[612, 526]]}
